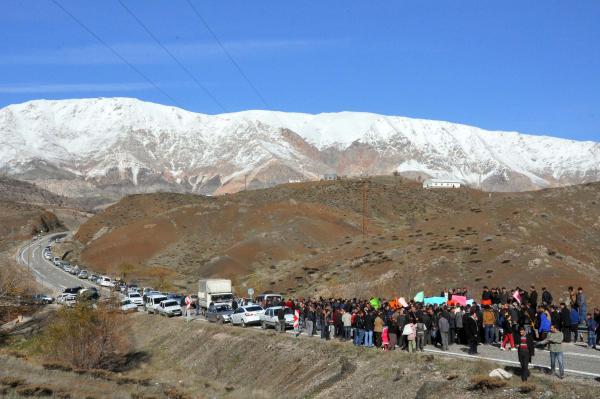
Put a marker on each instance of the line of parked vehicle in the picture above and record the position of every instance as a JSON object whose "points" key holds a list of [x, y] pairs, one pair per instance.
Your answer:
{"points": [[214, 299]]}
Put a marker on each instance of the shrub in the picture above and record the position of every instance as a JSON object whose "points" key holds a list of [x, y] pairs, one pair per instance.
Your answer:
{"points": [[12, 382], [35, 390], [86, 337], [484, 382], [527, 388], [57, 366]]}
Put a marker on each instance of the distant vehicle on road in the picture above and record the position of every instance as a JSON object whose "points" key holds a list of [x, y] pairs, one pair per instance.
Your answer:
{"points": [[219, 313], [153, 301], [214, 291], [273, 299], [169, 307], [269, 317], [73, 290], [90, 294], [135, 298], [66, 299], [246, 315], [42, 299], [127, 306], [106, 281]]}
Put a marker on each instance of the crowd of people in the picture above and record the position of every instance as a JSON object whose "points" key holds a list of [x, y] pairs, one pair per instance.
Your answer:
{"points": [[514, 320]]}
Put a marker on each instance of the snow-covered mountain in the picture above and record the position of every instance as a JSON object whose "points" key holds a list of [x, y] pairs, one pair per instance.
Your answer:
{"points": [[116, 146]]}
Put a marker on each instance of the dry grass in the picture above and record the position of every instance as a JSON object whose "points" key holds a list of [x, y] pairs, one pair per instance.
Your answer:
{"points": [[484, 383], [11, 382]]}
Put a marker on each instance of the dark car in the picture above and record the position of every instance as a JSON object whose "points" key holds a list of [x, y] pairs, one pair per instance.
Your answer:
{"points": [[219, 313], [72, 290]]}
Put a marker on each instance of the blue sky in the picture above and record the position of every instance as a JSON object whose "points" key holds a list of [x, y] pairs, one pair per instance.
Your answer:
{"points": [[528, 66]]}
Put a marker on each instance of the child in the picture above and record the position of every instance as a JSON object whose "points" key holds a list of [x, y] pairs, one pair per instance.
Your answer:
{"points": [[385, 339], [592, 326], [508, 336]]}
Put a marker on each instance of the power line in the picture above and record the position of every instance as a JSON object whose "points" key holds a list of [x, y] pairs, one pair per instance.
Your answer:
{"points": [[228, 54], [115, 52], [173, 57]]}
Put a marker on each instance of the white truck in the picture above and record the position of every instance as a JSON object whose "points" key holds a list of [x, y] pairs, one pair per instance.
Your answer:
{"points": [[215, 291]]}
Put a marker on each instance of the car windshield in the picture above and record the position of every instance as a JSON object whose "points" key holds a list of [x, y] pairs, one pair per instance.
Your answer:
{"points": [[222, 298], [170, 303], [222, 308], [126, 302], [253, 308], [288, 311], [159, 299], [134, 295]]}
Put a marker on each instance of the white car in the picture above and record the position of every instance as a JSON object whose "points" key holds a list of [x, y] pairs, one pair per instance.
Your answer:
{"points": [[66, 299], [127, 306], [135, 298], [269, 317], [106, 282], [153, 301], [169, 307], [246, 315]]}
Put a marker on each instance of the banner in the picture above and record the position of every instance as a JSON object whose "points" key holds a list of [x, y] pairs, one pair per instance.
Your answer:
{"points": [[435, 300], [469, 302], [402, 302], [375, 303], [420, 296], [459, 300], [517, 296]]}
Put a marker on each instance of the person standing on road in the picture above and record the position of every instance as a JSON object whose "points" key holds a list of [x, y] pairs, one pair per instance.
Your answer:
{"points": [[444, 329], [581, 305], [525, 353], [369, 326], [489, 319], [347, 323], [565, 322], [472, 332], [281, 319], [310, 321], [592, 326], [554, 342]]}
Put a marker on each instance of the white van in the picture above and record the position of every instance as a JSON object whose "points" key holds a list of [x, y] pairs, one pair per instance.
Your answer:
{"points": [[153, 301]]}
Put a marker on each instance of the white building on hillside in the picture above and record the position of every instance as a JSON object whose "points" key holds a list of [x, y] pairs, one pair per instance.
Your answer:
{"points": [[442, 183]]}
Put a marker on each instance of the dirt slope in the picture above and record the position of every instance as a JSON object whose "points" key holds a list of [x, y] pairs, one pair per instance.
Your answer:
{"points": [[306, 238]]}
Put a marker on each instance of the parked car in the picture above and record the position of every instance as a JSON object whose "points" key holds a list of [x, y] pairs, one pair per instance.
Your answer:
{"points": [[73, 290], [94, 278], [169, 307], [135, 298], [127, 306], [272, 299], [269, 317], [246, 315], [83, 274], [66, 299], [75, 270], [152, 302], [56, 259], [90, 294], [106, 281], [42, 299], [219, 313], [66, 267]]}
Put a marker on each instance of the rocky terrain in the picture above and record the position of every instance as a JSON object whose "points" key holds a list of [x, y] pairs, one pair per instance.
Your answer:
{"points": [[306, 238], [104, 148]]}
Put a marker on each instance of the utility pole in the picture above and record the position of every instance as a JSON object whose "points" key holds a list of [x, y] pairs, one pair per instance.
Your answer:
{"points": [[365, 220]]}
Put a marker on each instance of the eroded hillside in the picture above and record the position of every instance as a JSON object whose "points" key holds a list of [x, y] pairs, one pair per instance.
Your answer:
{"points": [[307, 238]]}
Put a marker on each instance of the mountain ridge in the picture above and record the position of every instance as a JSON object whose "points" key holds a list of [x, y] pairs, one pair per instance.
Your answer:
{"points": [[119, 146]]}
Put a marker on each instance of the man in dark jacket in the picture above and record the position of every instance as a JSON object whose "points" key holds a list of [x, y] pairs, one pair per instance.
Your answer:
{"points": [[472, 331], [546, 297], [565, 322], [533, 297], [281, 319]]}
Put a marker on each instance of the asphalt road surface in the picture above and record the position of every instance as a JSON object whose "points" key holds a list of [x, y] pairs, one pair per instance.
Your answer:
{"points": [[50, 276], [579, 360]]}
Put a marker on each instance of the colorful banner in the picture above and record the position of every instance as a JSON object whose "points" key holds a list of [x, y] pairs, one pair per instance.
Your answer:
{"points": [[435, 300], [402, 302], [459, 300], [375, 302], [420, 296], [517, 296]]}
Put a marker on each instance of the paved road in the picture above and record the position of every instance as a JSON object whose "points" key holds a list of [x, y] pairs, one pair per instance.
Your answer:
{"points": [[53, 278], [579, 360]]}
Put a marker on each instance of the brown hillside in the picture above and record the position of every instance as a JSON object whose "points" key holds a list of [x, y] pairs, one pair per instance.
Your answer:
{"points": [[306, 238]]}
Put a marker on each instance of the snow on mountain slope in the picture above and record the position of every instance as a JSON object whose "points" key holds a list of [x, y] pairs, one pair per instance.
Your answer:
{"points": [[130, 146]]}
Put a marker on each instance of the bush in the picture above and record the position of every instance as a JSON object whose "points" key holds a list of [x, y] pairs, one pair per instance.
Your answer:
{"points": [[484, 383], [57, 366], [12, 382], [527, 388], [35, 390], [85, 337]]}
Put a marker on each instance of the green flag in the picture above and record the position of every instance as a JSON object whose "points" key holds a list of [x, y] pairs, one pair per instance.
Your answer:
{"points": [[420, 296], [375, 303]]}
